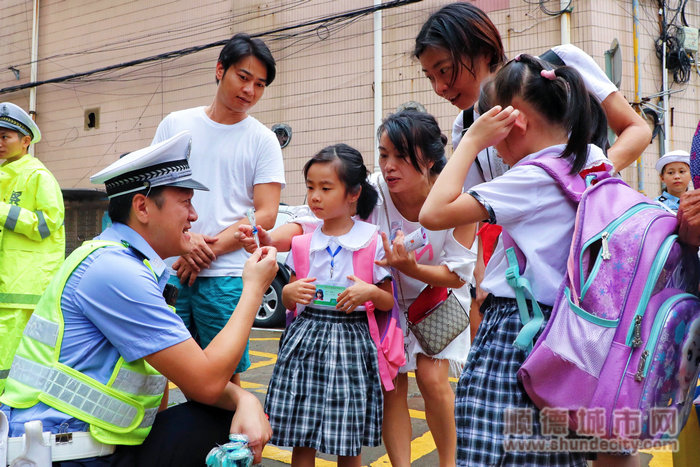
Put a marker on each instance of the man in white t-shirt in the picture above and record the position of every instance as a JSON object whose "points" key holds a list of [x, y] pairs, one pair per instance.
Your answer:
{"points": [[240, 160]]}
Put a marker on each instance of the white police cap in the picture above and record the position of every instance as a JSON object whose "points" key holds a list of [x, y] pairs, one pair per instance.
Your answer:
{"points": [[13, 117], [673, 156], [163, 164]]}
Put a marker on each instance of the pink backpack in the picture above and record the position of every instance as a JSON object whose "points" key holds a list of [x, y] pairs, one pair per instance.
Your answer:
{"points": [[384, 327], [623, 339]]}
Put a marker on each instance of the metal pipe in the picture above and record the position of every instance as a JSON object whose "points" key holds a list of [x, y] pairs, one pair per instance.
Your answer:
{"points": [[33, 66], [565, 22], [664, 85], [378, 63], [637, 83]]}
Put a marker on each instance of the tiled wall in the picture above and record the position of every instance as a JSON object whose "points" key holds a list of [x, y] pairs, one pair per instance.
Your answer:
{"points": [[325, 84]]}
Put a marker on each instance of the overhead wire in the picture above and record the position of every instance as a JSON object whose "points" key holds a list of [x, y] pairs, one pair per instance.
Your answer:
{"points": [[150, 39], [542, 6], [678, 60], [275, 34]]}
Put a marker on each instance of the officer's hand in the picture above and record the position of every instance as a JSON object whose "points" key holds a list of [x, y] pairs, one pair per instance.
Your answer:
{"points": [[250, 420], [260, 269]]}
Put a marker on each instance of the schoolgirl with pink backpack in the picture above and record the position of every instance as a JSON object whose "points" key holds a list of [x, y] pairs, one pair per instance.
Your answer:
{"points": [[325, 392]]}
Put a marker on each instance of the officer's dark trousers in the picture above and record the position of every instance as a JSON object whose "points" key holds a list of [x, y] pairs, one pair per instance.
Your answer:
{"points": [[181, 437]]}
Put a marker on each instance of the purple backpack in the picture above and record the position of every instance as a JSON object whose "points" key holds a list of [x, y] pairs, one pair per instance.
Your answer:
{"points": [[622, 345]]}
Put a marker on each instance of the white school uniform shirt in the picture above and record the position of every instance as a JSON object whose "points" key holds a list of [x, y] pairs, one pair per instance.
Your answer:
{"points": [[357, 238], [595, 81], [445, 250], [230, 160], [532, 208]]}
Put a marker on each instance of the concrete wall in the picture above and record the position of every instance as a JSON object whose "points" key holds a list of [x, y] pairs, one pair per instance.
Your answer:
{"points": [[324, 88]]}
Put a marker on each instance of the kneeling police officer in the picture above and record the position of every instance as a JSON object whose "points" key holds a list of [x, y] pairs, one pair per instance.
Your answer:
{"points": [[96, 355]]}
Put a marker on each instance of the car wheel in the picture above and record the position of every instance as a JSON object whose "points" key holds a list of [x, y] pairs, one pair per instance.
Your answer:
{"points": [[272, 311]]}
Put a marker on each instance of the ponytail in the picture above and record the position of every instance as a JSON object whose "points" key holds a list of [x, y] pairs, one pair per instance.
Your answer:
{"points": [[559, 95], [599, 125], [367, 200], [577, 118]]}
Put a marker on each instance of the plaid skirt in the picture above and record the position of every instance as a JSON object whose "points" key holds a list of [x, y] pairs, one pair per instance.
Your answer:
{"points": [[489, 394], [325, 392]]}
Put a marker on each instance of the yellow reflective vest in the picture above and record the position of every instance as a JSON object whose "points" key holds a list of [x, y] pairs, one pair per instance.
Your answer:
{"points": [[32, 236], [121, 411]]}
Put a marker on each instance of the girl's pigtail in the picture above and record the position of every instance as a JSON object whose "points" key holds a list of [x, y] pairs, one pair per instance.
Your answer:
{"points": [[599, 125], [578, 117], [367, 200]]}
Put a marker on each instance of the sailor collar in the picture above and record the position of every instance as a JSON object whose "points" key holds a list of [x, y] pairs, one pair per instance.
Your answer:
{"points": [[357, 238]]}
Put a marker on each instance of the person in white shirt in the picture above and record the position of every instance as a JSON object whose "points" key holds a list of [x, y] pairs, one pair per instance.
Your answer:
{"points": [[411, 155], [547, 115], [240, 160], [459, 47]]}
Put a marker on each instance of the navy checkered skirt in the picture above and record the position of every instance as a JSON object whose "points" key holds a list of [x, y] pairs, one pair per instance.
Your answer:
{"points": [[325, 392], [488, 386]]}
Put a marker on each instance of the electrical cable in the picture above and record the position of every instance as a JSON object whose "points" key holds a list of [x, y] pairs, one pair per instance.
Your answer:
{"points": [[545, 10], [678, 61], [216, 24], [350, 14]]}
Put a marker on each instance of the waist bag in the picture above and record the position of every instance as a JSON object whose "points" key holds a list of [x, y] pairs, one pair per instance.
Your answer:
{"points": [[623, 339]]}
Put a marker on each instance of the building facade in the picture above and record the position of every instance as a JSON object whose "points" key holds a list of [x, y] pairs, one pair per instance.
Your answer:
{"points": [[108, 72]]}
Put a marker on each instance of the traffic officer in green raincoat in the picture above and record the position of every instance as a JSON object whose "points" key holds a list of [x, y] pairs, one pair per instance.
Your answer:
{"points": [[32, 237]]}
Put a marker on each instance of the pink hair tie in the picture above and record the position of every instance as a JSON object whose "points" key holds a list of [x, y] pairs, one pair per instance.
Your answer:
{"points": [[549, 74], [517, 57]]}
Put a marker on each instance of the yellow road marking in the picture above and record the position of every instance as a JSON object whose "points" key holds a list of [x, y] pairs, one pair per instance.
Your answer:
{"points": [[271, 359], [412, 374], [283, 455], [660, 458], [420, 446], [249, 385]]}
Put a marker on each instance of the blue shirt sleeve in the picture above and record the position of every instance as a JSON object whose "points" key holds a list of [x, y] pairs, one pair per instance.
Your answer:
{"points": [[119, 295]]}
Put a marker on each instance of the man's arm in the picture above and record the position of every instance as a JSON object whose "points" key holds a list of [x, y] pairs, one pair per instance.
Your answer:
{"points": [[266, 200], [203, 375], [249, 418]]}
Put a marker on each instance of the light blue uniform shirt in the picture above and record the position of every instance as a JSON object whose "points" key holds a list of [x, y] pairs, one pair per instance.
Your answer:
{"points": [[668, 200], [112, 305]]}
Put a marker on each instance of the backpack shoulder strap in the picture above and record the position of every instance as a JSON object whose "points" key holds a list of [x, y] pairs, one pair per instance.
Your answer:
{"points": [[363, 267], [573, 186], [301, 247], [363, 260], [557, 168]]}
